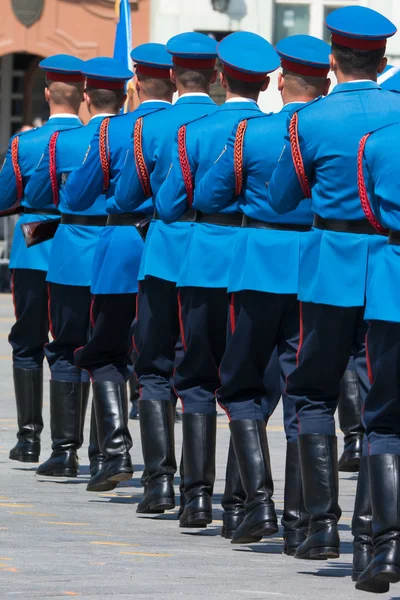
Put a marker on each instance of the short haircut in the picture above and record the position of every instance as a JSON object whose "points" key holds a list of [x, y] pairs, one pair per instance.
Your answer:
{"points": [[65, 94], [106, 100], [159, 89], [358, 62], [244, 88], [196, 79], [304, 84]]}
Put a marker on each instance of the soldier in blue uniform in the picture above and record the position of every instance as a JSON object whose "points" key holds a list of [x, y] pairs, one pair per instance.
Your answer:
{"points": [[203, 278], [157, 328], [70, 275], [263, 304], [64, 93], [118, 252], [337, 256], [379, 187]]}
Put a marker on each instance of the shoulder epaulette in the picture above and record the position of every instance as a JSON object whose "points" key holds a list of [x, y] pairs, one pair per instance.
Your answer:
{"points": [[362, 189], [53, 166], [104, 150], [17, 171], [238, 155], [297, 157], [140, 163]]}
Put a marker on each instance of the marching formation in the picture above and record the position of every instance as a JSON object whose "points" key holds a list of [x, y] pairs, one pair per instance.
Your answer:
{"points": [[266, 244]]}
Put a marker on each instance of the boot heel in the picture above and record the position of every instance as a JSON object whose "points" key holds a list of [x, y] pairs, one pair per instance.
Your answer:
{"points": [[375, 587], [323, 553], [27, 458], [200, 519], [388, 574], [120, 477], [162, 504]]}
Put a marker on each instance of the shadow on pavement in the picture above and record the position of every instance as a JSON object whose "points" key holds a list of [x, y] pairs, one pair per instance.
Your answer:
{"points": [[333, 569]]}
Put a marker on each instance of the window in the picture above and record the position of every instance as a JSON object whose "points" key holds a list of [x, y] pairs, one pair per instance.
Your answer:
{"points": [[291, 19]]}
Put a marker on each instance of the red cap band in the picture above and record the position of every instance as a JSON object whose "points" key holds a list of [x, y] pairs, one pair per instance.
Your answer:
{"points": [[241, 76], [64, 77], [194, 63], [102, 84], [303, 69], [358, 43], [152, 72]]}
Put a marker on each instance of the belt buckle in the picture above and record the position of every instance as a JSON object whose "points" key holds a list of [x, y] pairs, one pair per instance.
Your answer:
{"points": [[245, 221]]}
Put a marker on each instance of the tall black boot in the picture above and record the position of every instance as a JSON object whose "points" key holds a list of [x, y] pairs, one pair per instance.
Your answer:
{"points": [[96, 458], [181, 487], [233, 498], [158, 447], [111, 406], [361, 528], [249, 438], [67, 401], [133, 397], [28, 386], [199, 441], [349, 409], [295, 518], [384, 475], [319, 474]]}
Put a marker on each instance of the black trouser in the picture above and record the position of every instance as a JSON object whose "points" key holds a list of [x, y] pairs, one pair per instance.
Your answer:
{"points": [[329, 336], [156, 335], [69, 312], [30, 332], [107, 354]]}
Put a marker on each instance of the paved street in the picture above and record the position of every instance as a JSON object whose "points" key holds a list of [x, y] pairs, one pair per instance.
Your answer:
{"points": [[57, 540]]}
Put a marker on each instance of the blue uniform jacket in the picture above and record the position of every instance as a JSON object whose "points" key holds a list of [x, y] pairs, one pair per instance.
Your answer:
{"points": [[261, 260], [335, 268], [209, 253], [119, 248], [31, 146], [72, 253], [165, 244], [381, 175]]}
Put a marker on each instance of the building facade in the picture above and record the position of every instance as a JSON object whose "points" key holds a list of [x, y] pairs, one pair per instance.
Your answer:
{"points": [[33, 29]]}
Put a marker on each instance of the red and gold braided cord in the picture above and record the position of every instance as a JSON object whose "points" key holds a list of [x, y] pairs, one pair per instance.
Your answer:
{"points": [[362, 190], [238, 156], [53, 166], [105, 153], [141, 167], [297, 157], [17, 170], [185, 165]]}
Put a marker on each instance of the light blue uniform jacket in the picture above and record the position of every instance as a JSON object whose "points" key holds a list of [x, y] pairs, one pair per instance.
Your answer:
{"points": [[72, 254], [165, 244], [382, 178], [258, 259], [209, 253], [31, 146], [335, 268], [119, 248]]}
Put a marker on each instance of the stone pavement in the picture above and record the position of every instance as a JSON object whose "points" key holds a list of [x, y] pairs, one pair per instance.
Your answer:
{"points": [[58, 541]]}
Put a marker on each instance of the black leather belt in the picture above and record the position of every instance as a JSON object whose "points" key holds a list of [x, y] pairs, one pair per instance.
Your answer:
{"points": [[41, 211], [126, 219], [256, 224], [344, 226], [189, 216], [227, 219], [87, 220], [394, 238]]}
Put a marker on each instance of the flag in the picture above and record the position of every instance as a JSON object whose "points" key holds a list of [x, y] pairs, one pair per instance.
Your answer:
{"points": [[123, 37]]}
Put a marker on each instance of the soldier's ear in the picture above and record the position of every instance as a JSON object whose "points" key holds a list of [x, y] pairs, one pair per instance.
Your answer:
{"points": [[223, 81], [172, 75], [332, 63], [327, 86], [382, 65], [214, 76], [47, 94], [281, 82], [136, 84], [265, 85]]}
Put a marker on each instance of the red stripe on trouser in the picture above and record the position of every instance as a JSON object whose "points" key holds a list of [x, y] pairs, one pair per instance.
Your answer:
{"points": [[301, 336], [232, 321], [91, 315], [182, 330], [13, 294], [369, 365], [49, 312]]}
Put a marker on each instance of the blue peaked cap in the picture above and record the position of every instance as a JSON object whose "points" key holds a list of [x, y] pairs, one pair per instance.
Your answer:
{"points": [[353, 25], [247, 56], [152, 55], [304, 54], [63, 64], [193, 46], [103, 68]]}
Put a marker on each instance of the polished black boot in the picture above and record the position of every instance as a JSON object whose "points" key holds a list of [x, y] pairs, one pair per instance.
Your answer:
{"points": [[362, 530], [199, 441], [158, 447], [68, 402], [133, 397], [319, 474], [96, 458], [181, 487], [349, 410], [295, 518], [111, 406], [249, 439], [233, 498], [28, 386], [384, 475]]}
